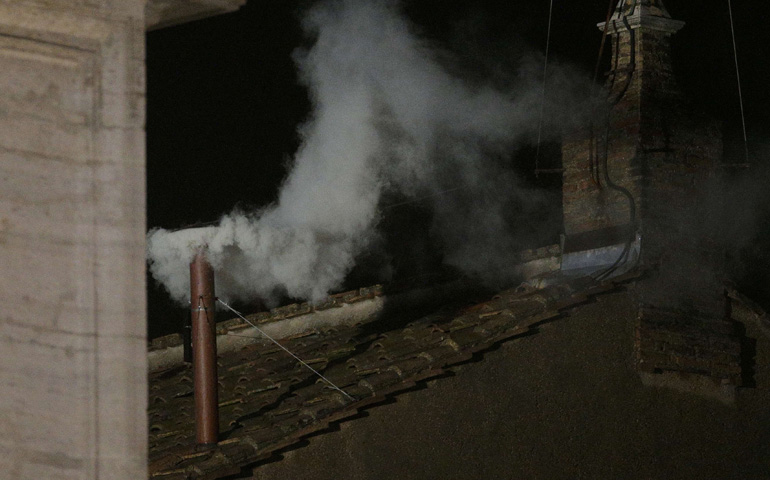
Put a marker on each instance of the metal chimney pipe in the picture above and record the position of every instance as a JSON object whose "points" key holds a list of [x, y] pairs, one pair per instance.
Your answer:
{"points": [[202, 305]]}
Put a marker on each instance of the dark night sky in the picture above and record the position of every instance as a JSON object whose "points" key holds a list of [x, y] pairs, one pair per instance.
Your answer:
{"points": [[223, 104]]}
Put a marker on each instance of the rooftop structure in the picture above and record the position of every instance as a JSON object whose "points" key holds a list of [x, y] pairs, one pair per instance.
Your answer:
{"points": [[550, 398], [646, 289], [269, 403]]}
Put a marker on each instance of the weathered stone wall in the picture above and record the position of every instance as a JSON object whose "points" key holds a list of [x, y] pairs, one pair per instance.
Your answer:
{"points": [[72, 209]]}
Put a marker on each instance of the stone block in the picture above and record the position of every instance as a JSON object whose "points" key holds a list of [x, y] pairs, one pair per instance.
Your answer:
{"points": [[73, 370]]}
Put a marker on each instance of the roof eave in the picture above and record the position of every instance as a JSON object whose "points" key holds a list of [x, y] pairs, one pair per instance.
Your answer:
{"points": [[166, 13]]}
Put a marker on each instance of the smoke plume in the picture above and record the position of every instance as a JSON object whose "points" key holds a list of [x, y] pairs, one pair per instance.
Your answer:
{"points": [[387, 117]]}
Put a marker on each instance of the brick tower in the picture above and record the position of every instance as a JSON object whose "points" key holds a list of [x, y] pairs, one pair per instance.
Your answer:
{"points": [[647, 161]]}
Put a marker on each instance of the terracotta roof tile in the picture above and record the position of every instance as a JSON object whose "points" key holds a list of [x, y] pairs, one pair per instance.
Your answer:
{"points": [[268, 401]]}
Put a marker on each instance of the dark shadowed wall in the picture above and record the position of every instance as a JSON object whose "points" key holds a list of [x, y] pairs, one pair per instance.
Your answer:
{"points": [[565, 403]]}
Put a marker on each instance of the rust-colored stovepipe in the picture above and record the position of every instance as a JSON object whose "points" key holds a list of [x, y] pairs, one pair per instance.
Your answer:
{"points": [[204, 340]]}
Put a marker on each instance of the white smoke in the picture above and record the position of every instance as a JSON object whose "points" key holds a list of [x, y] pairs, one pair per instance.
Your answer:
{"points": [[386, 117]]}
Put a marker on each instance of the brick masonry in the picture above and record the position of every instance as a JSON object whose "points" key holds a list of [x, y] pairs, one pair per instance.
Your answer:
{"points": [[668, 341], [655, 146], [648, 140]]}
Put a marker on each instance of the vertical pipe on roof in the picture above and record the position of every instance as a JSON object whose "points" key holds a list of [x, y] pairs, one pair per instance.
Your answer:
{"points": [[202, 304]]}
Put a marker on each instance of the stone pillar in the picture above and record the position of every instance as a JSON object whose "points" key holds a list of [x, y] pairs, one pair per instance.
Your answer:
{"points": [[72, 224]]}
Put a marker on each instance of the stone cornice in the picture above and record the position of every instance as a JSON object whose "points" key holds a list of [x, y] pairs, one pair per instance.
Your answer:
{"points": [[645, 17], [80, 28], [166, 13]]}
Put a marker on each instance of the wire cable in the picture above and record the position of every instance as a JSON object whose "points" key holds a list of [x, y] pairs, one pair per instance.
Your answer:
{"points": [[623, 257], [287, 350], [593, 160], [738, 75], [542, 98], [426, 197], [610, 12]]}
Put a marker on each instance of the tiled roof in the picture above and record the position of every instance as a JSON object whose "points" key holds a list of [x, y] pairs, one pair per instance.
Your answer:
{"points": [[268, 401]]}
